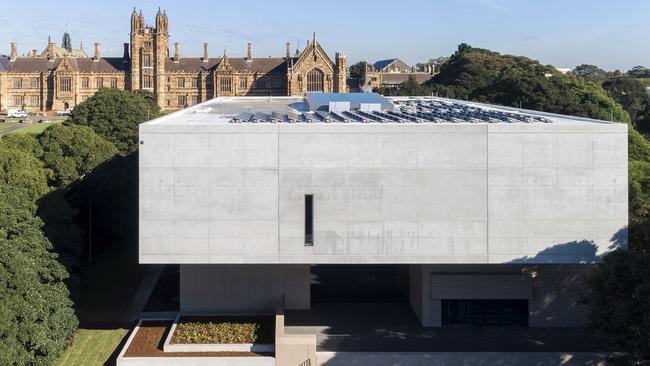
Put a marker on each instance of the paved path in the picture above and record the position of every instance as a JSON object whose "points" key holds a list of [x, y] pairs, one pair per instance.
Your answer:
{"points": [[13, 128], [461, 359], [394, 328]]}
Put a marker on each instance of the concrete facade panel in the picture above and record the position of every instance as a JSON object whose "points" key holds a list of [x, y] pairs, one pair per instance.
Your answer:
{"points": [[383, 193]]}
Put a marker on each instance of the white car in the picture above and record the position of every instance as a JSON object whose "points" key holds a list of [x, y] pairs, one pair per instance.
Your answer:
{"points": [[67, 112], [16, 113]]}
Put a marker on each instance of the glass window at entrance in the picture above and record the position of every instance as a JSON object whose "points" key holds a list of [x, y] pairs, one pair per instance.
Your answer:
{"points": [[485, 312]]}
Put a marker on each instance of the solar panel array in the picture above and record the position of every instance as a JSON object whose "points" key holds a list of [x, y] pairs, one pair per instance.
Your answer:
{"points": [[416, 110]]}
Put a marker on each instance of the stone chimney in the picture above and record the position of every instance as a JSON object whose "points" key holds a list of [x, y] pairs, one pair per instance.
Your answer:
{"points": [[98, 52], [177, 52], [249, 54], [125, 56], [205, 52], [50, 51], [34, 53], [288, 49], [14, 52]]}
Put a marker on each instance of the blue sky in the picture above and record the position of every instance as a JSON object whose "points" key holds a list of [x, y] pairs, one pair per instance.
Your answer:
{"points": [[611, 34]]}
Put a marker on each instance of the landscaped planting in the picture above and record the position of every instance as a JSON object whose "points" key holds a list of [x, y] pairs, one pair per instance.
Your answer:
{"points": [[224, 330]]}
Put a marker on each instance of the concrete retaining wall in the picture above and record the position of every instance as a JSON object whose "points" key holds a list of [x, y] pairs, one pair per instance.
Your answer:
{"points": [[293, 349]]}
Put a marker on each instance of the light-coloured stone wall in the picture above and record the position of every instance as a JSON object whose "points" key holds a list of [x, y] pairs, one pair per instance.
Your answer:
{"points": [[383, 193]]}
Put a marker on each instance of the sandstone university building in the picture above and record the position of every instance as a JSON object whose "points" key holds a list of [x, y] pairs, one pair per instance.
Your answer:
{"points": [[58, 78], [458, 212]]}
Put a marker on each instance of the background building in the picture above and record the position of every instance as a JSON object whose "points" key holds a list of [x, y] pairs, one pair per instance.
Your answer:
{"points": [[59, 78], [389, 74]]}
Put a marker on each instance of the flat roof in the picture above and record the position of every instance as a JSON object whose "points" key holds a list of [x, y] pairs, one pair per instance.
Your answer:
{"points": [[393, 110]]}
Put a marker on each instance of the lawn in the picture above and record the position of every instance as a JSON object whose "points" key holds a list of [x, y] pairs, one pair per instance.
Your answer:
{"points": [[33, 128], [4, 125], [92, 347]]}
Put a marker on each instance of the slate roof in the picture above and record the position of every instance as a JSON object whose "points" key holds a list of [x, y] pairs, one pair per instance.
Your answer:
{"points": [[262, 65], [41, 64], [4, 60], [383, 63], [104, 65], [32, 64]]}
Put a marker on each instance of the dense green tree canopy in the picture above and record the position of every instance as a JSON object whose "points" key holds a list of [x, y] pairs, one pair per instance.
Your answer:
{"points": [[71, 152], [115, 115], [486, 76], [19, 168], [36, 316], [628, 92], [358, 70], [619, 301], [639, 72], [591, 73]]}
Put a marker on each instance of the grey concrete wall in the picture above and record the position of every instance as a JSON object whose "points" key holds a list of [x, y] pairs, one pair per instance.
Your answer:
{"points": [[553, 291], [241, 289], [383, 193]]}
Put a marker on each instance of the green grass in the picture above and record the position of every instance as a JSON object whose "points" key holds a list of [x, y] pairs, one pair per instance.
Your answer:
{"points": [[4, 125], [33, 128], [92, 347]]}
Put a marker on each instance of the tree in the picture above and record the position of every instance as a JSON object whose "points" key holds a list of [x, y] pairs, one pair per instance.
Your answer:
{"points": [[358, 70], [628, 92], [618, 301], [115, 115], [639, 72], [486, 76], [36, 316], [590, 73], [72, 152], [639, 205], [21, 169], [412, 87]]}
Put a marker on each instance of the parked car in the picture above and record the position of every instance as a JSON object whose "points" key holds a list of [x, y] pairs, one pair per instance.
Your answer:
{"points": [[67, 112], [16, 113]]}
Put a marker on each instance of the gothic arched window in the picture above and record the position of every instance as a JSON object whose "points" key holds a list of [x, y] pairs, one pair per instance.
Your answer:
{"points": [[315, 81]]}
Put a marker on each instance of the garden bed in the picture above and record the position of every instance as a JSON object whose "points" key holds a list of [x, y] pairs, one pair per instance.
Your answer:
{"points": [[221, 333], [150, 335]]}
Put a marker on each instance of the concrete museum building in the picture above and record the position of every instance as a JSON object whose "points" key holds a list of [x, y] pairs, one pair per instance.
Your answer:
{"points": [[466, 213]]}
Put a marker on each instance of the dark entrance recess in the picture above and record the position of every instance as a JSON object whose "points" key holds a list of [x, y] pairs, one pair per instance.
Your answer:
{"points": [[359, 283], [485, 312]]}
